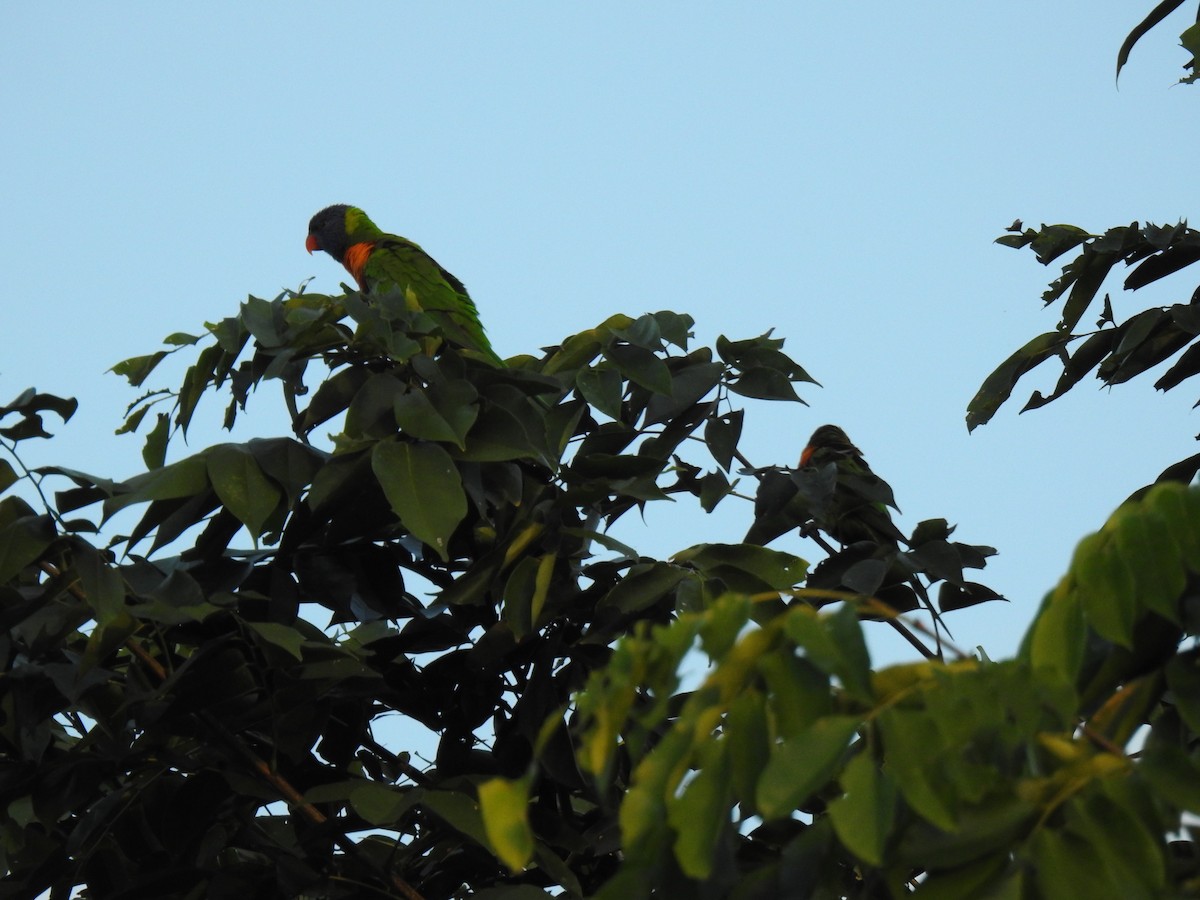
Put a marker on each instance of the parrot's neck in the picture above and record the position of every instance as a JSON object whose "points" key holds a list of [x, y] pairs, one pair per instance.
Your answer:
{"points": [[355, 259]]}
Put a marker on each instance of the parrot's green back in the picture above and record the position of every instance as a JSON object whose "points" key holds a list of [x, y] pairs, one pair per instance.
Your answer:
{"points": [[399, 263]]}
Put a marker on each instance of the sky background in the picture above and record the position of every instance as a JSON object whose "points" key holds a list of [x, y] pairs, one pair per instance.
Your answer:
{"points": [[835, 172]]}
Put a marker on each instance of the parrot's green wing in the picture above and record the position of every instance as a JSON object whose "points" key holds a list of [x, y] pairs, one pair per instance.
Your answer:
{"points": [[399, 263]]}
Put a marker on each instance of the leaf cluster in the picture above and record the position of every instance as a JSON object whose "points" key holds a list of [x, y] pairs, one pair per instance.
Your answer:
{"points": [[438, 559], [796, 769], [1114, 351]]}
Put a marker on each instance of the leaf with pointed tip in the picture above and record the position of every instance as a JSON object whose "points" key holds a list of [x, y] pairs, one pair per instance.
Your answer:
{"points": [[1160, 12], [154, 449], [137, 369], [424, 489], [864, 814], [689, 385], [746, 567], [504, 807], [998, 386], [8, 476], [762, 383], [185, 478], [675, 327], [22, 540], [1083, 360], [601, 386], [442, 412], [643, 332], [641, 366], [721, 434], [242, 486], [802, 765]]}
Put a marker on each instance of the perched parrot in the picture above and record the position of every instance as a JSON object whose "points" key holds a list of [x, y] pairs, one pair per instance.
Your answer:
{"points": [[857, 509], [380, 262], [856, 515], [846, 499]]}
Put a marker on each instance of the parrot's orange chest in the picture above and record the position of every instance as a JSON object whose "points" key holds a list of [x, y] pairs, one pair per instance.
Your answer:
{"points": [[356, 259]]}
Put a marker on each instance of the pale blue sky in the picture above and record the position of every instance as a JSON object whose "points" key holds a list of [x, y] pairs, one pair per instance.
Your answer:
{"points": [[836, 172]]}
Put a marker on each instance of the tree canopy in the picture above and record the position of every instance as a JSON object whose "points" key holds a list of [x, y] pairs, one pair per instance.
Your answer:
{"points": [[398, 653]]}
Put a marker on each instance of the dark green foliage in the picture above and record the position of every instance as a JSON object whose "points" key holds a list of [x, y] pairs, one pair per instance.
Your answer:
{"points": [[200, 708], [1114, 351], [440, 560]]}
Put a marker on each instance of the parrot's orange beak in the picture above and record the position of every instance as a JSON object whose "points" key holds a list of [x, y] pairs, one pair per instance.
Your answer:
{"points": [[806, 456], [311, 244]]}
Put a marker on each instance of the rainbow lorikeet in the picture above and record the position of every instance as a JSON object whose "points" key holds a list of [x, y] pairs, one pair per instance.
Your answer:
{"points": [[832, 489], [857, 508], [855, 513], [381, 262]]}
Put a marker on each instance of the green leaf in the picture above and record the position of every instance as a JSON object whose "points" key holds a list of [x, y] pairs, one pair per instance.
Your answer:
{"points": [[372, 412], [1183, 679], [441, 412], [1055, 644], [424, 489], [984, 879], [1130, 855], [1068, 867], [835, 645], [504, 806], [643, 587], [22, 540], [241, 486], [748, 736], [8, 476], [675, 328], [714, 487], [1085, 358], [721, 434], [1087, 272], [154, 450], [101, 584], [185, 478], [981, 833], [264, 320], [641, 367], [459, 811], [803, 764], [700, 813], [504, 432], [194, 384], [181, 339], [602, 387], [288, 463], [381, 804], [1146, 543], [334, 396], [910, 740], [799, 692], [519, 590], [137, 368], [689, 385], [863, 815], [1052, 241], [762, 383], [998, 386], [1160, 12], [1173, 774], [280, 635], [745, 567]]}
